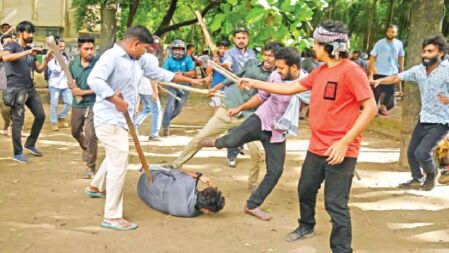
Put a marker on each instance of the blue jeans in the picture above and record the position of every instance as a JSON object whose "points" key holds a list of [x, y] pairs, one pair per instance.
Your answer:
{"points": [[54, 101], [173, 106], [149, 106]]}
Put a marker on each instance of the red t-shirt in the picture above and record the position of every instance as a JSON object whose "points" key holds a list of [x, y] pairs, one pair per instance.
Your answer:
{"points": [[336, 96]]}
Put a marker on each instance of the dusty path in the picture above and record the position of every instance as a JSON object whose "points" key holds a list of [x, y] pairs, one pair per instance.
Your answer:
{"points": [[43, 207]]}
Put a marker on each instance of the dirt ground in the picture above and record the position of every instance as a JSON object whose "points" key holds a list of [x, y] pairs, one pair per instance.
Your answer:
{"points": [[43, 207]]}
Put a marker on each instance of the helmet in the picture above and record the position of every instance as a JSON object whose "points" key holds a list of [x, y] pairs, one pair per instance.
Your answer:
{"points": [[178, 44]]}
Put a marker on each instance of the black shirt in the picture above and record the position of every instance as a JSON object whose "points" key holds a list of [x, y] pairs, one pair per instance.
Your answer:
{"points": [[19, 73]]}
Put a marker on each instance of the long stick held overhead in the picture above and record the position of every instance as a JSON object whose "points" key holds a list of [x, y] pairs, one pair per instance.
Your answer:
{"points": [[209, 41], [60, 59]]}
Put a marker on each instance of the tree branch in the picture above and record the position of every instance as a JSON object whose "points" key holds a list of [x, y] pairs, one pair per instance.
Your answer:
{"points": [[170, 12], [167, 28], [133, 5]]}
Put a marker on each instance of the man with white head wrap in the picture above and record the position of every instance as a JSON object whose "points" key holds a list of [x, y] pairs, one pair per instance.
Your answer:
{"points": [[339, 89]]}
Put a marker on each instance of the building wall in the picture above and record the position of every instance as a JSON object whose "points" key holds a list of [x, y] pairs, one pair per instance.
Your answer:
{"points": [[49, 16]]}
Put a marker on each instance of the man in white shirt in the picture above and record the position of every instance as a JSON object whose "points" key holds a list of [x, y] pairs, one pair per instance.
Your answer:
{"points": [[57, 85]]}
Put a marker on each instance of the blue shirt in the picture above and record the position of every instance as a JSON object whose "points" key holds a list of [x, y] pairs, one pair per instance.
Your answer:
{"points": [[185, 64], [387, 56], [217, 77], [235, 58], [116, 70], [432, 111]]}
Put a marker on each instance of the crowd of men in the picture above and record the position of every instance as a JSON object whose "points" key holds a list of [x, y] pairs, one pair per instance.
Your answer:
{"points": [[261, 111]]}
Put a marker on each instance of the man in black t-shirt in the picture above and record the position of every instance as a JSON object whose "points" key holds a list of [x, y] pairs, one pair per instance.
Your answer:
{"points": [[20, 64]]}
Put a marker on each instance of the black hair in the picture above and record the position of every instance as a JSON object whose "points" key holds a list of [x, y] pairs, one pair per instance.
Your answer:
{"points": [[58, 39], [140, 33], [240, 30], [206, 52], [336, 27], [189, 46], [5, 36], [391, 26], [439, 41], [26, 26], [290, 55], [210, 199], [273, 46], [5, 24], [224, 43], [85, 39], [357, 52]]}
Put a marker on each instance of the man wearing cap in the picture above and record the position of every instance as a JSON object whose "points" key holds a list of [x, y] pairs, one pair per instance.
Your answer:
{"points": [[339, 89]]}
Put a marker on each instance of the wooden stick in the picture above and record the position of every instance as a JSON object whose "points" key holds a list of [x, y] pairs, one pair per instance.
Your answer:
{"points": [[188, 88], [136, 141], [60, 59], [226, 73], [209, 41], [168, 92]]}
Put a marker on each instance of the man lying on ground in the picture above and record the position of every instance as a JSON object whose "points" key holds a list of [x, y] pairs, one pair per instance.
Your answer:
{"points": [[175, 192]]}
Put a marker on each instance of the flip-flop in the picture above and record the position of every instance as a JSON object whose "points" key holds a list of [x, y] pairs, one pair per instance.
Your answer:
{"points": [[93, 194], [119, 225]]}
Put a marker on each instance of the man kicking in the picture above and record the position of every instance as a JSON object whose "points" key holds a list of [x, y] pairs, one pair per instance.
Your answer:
{"points": [[175, 192], [261, 127], [222, 121]]}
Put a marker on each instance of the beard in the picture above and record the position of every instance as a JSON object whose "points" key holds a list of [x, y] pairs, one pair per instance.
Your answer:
{"points": [[241, 45], [429, 61], [28, 40]]}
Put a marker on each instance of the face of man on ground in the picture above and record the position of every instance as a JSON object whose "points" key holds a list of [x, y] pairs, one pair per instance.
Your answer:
{"points": [[87, 51], [27, 37], [286, 72], [431, 54], [241, 40], [355, 56], [268, 59], [392, 32], [222, 50]]}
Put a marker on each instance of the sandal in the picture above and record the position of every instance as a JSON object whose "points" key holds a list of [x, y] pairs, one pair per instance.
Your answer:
{"points": [[119, 224], [93, 194]]}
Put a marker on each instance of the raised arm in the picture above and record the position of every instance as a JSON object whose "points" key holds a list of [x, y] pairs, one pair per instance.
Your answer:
{"points": [[272, 87]]}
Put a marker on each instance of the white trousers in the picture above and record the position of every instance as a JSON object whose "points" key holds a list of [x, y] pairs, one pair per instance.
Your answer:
{"points": [[112, 171]]}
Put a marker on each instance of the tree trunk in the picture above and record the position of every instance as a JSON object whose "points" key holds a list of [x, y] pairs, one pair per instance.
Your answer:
{"points": [[370, 25], [133, 5], [108, 25], [390, 13], [425, 21]]}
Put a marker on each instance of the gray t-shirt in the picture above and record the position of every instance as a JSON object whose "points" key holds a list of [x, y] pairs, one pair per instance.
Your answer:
{"points": [[2, 76], [172, 192], [20, 73]]}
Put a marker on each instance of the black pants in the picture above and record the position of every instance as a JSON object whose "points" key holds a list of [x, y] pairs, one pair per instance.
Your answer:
{"points": [[251, 130], [425, 138], [337, 187], [387, 91], [32, 100]]}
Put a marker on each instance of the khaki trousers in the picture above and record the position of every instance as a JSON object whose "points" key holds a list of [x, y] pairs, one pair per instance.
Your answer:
{"points": [[217, 125], [112, 171]]}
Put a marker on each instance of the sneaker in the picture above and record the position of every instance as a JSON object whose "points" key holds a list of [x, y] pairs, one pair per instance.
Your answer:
{"points": [[411, 184], [300, 232], [33, 150], [55, 127], [154, 138], [232, 162], [431, 181], [89, 174], [165, 132], [21, 158], [63, 123]]}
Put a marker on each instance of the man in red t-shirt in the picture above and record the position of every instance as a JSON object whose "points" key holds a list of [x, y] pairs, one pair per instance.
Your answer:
{"points": [[339, 89]]}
